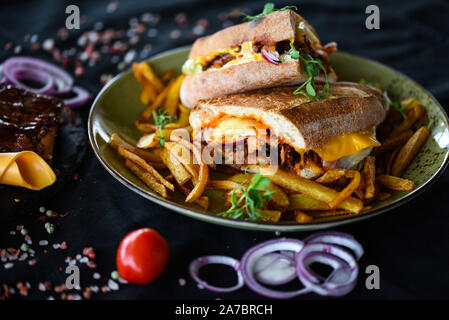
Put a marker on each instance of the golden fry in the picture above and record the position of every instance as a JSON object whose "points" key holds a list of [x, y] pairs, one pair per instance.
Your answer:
{"points": [[396, 183], [151, 157], [350, 188], [175, 167], [204, 170], [144, 165], [183, 155], [167, 75], [149, 75], [279, 198], [146, 115], [269, 215], [409, 151], [304, 203], [328, 213], [183, 120], [202, 201], [302, 217], [414, 113], [383, 195], [310, 188], [369, 175], [147, 178], [392, 143], [172, 100], [222, 184]]}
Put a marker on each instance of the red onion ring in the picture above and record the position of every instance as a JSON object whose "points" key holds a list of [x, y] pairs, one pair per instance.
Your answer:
{"points": [[62, 79], [338, 238], [269, 55], [258, 265], [20, 73], [274, 269], [202, 261], [250, 258], [81, 98], [334, 256]]}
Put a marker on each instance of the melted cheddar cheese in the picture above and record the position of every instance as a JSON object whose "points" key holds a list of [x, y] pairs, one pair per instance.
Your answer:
{"points": [[232, 129], [25, 169], [346, 145]]}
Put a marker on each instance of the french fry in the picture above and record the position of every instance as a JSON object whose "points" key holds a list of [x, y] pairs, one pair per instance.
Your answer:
{"points": [[167, 75], [172, 100], [145, 127], [383, 195], [183, 155], [270, 215], [222, 184], [396, 183], [204, 170], [148, 74], [149, 92], [328, 213], [333, 175], [151, 157], [147, 178], [310, 188], [144, 165], [391, 159], [158, 102], [302, 217], [409, 151], [369, 175], [175, 167], [414, 112], [279, 198], [304, 203], [152, 140], [392, 143], [183, 120], [202, 201]]}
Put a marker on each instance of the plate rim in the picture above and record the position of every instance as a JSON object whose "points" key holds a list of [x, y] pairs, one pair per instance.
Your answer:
{"points": [[251, 225]]}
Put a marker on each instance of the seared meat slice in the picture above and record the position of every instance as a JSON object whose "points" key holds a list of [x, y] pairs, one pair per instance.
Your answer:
{"points": [[29, 121]]}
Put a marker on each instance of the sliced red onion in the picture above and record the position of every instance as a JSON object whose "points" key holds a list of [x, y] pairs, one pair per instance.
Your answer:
{"points": [[81, 98], [202, 261], [338, 238], [340, 282], [60, 78], [17, 73], [270, 55], [251, 257], [275, 269]]}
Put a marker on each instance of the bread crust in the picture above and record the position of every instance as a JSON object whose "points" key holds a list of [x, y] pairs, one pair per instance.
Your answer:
{"points": [[238, 78], [350, 107], [274, 27]]}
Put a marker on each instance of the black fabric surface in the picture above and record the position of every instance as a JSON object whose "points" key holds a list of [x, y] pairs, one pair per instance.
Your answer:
{"points": [[410, 244]]}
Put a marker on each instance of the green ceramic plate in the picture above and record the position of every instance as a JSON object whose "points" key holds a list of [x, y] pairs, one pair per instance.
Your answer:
{"points": [[117, 106]]}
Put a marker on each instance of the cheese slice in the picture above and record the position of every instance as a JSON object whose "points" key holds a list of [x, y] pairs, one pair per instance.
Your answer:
{"points": [[346, 145], [231, 129], [25, 169]]}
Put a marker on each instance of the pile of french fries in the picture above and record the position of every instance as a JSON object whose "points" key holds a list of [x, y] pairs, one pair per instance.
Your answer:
{"points": [[169, 165]]}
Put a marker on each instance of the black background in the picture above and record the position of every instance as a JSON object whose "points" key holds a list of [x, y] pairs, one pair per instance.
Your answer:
{"points": [[410, 244]]}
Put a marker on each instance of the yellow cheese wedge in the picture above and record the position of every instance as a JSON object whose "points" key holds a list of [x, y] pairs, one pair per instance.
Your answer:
{"points": [[346, 145], [25, 169]]}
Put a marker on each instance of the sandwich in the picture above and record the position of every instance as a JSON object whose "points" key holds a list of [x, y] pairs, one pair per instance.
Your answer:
{"points": [[310, 136], [269, 51]]}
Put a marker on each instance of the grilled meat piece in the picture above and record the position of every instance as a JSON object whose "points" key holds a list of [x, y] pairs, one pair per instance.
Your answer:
{"points": [[30, 121]]}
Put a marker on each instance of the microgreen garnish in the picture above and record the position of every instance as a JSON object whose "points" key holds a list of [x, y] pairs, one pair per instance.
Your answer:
{"points": [[311, 69], [399, 107], [161, 119], [267, 9], [251, 198]]}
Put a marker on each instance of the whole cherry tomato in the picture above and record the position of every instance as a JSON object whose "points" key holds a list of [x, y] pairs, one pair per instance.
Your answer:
{"points": [[142, 256]]}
